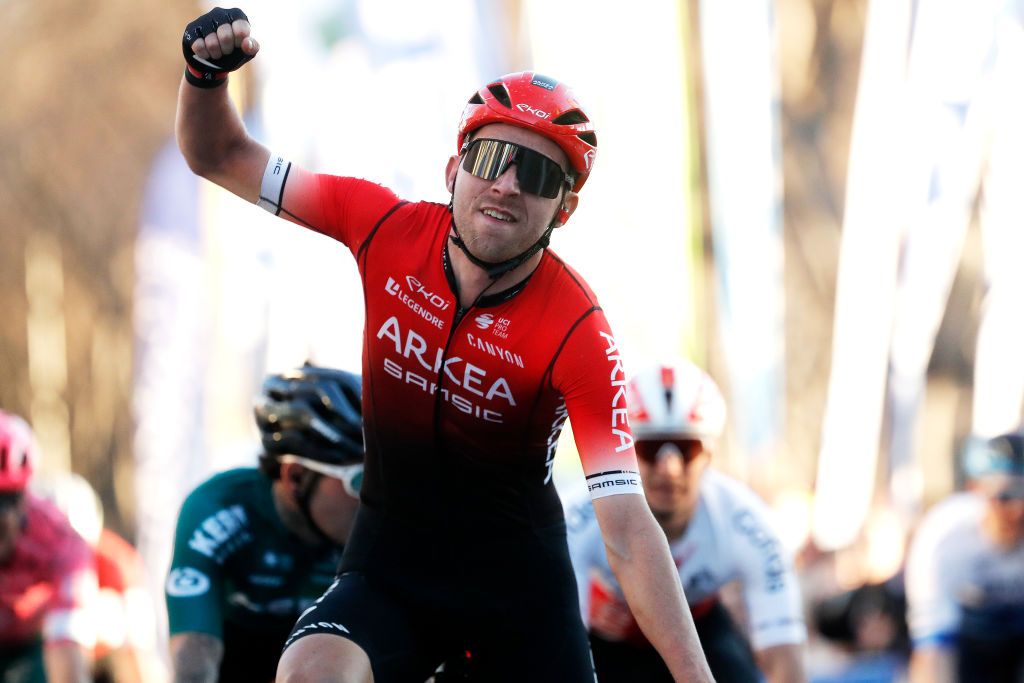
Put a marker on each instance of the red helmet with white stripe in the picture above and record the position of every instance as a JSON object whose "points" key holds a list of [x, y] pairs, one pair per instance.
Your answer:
{"points": [[18, 453], [541, 104], [676, 400]]}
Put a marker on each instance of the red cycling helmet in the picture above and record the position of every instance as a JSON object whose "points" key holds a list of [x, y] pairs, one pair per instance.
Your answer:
{"points": [[17, 453], [530, 100]]}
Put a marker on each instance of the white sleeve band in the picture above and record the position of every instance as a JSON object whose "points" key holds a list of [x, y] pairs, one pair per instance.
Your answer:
{"points": [[272, 188], [614, 482]]}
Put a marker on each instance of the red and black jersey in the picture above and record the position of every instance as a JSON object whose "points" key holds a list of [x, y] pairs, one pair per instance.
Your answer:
{"points": [[463, 408]]}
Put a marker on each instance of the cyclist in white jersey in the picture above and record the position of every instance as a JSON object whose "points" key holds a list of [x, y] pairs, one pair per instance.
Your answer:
{"points": [[718, 531], [965, 573]]}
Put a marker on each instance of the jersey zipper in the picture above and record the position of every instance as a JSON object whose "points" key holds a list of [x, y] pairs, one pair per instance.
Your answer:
{"points": [[460, 314]]}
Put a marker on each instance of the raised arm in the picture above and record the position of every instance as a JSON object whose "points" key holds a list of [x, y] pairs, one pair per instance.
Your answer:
{"points": [[638, 554], [210, 131]]}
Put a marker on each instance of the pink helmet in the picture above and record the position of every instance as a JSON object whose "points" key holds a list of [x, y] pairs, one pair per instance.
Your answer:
{"points": [[541, 104], [18, 452], [676, 400]]}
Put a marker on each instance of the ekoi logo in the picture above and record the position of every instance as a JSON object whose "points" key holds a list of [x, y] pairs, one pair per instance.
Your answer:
{"points": [[395, 289], [539, 113], [435, 300], [484, 320]]}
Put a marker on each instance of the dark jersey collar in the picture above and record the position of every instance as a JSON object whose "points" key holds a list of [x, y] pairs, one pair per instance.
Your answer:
{"points": [[488, 299]]}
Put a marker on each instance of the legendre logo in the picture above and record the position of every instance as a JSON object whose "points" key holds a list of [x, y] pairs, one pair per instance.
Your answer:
{"points": [[395, 289]]}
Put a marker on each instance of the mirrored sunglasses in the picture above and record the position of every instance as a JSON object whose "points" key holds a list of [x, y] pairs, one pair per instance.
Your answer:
{"points": [[649, 449], [351, 476], [537, 174]]}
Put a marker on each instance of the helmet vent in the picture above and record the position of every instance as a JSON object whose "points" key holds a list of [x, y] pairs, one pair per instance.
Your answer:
{"points": [[500, 93], [588, 138], [571, 118], [476, 99]]}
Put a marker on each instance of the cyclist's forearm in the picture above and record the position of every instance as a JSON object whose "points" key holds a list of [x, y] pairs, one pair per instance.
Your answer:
{"points": [[639, 556], [195, 657], [932, 665], [782, 663], [66, 663]]}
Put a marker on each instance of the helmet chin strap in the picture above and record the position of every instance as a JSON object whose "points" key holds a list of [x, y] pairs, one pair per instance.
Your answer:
{"points": [[303, 496], [493, 269], [496, 270]]}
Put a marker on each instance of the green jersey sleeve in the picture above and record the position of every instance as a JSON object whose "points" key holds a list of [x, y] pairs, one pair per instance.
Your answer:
{"points": [[209, 530]]}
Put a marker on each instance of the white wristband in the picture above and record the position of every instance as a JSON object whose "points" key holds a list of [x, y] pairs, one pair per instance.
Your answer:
{"points": [[272, 188]]}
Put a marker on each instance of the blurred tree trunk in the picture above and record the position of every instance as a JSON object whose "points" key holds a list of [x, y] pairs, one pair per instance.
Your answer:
{"points": [[88, 91]]}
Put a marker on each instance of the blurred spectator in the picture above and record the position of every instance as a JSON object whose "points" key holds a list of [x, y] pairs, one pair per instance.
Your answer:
{"points": [[123, 611], [965, 573], [47, 576], [867, 625]]}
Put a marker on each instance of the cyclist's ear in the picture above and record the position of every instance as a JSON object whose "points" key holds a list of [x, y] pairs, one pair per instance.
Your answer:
{"points": [[569, 203], [450, 171]]}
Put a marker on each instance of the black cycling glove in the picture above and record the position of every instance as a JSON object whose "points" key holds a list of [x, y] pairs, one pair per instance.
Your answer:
{"points": [[210, 73]]}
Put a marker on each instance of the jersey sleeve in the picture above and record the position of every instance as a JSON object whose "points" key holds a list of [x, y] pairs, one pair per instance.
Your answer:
{"points": [[588, 372], [770, 587], [346, 209], [125, 607], [69, 619], [933, 615], [194, 589]]}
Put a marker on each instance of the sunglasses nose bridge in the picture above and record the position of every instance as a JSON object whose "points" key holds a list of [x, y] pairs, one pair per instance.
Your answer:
{"points": [[508, 178]]}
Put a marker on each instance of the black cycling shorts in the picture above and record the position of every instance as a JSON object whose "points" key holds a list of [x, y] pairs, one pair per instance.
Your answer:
{"points": [[250, 654], [406, 640]]}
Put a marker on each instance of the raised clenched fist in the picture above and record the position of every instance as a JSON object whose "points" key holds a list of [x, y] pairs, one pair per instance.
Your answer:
{"points": [[216, 44]]}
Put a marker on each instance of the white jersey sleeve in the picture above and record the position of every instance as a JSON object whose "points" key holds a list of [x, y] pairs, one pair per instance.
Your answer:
{"points": [[758, 558], [936, 568]]}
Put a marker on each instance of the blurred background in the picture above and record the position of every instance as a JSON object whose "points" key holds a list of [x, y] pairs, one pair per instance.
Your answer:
{"points": [[812, 198]]}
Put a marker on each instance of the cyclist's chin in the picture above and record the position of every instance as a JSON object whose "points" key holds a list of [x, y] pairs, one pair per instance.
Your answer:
{"points": [[1014, 532], [664, 500], [495, 248]]}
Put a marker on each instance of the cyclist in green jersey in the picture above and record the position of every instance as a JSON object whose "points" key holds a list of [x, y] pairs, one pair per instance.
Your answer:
{"points": [[254, 547]]}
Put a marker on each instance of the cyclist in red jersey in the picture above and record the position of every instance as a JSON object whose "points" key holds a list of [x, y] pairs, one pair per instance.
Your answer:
{"points": [[126, 648], [479, 344], [47, 580]]}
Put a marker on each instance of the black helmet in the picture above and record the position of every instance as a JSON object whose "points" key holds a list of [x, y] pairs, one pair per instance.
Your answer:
{"points": [[313, 413]]}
